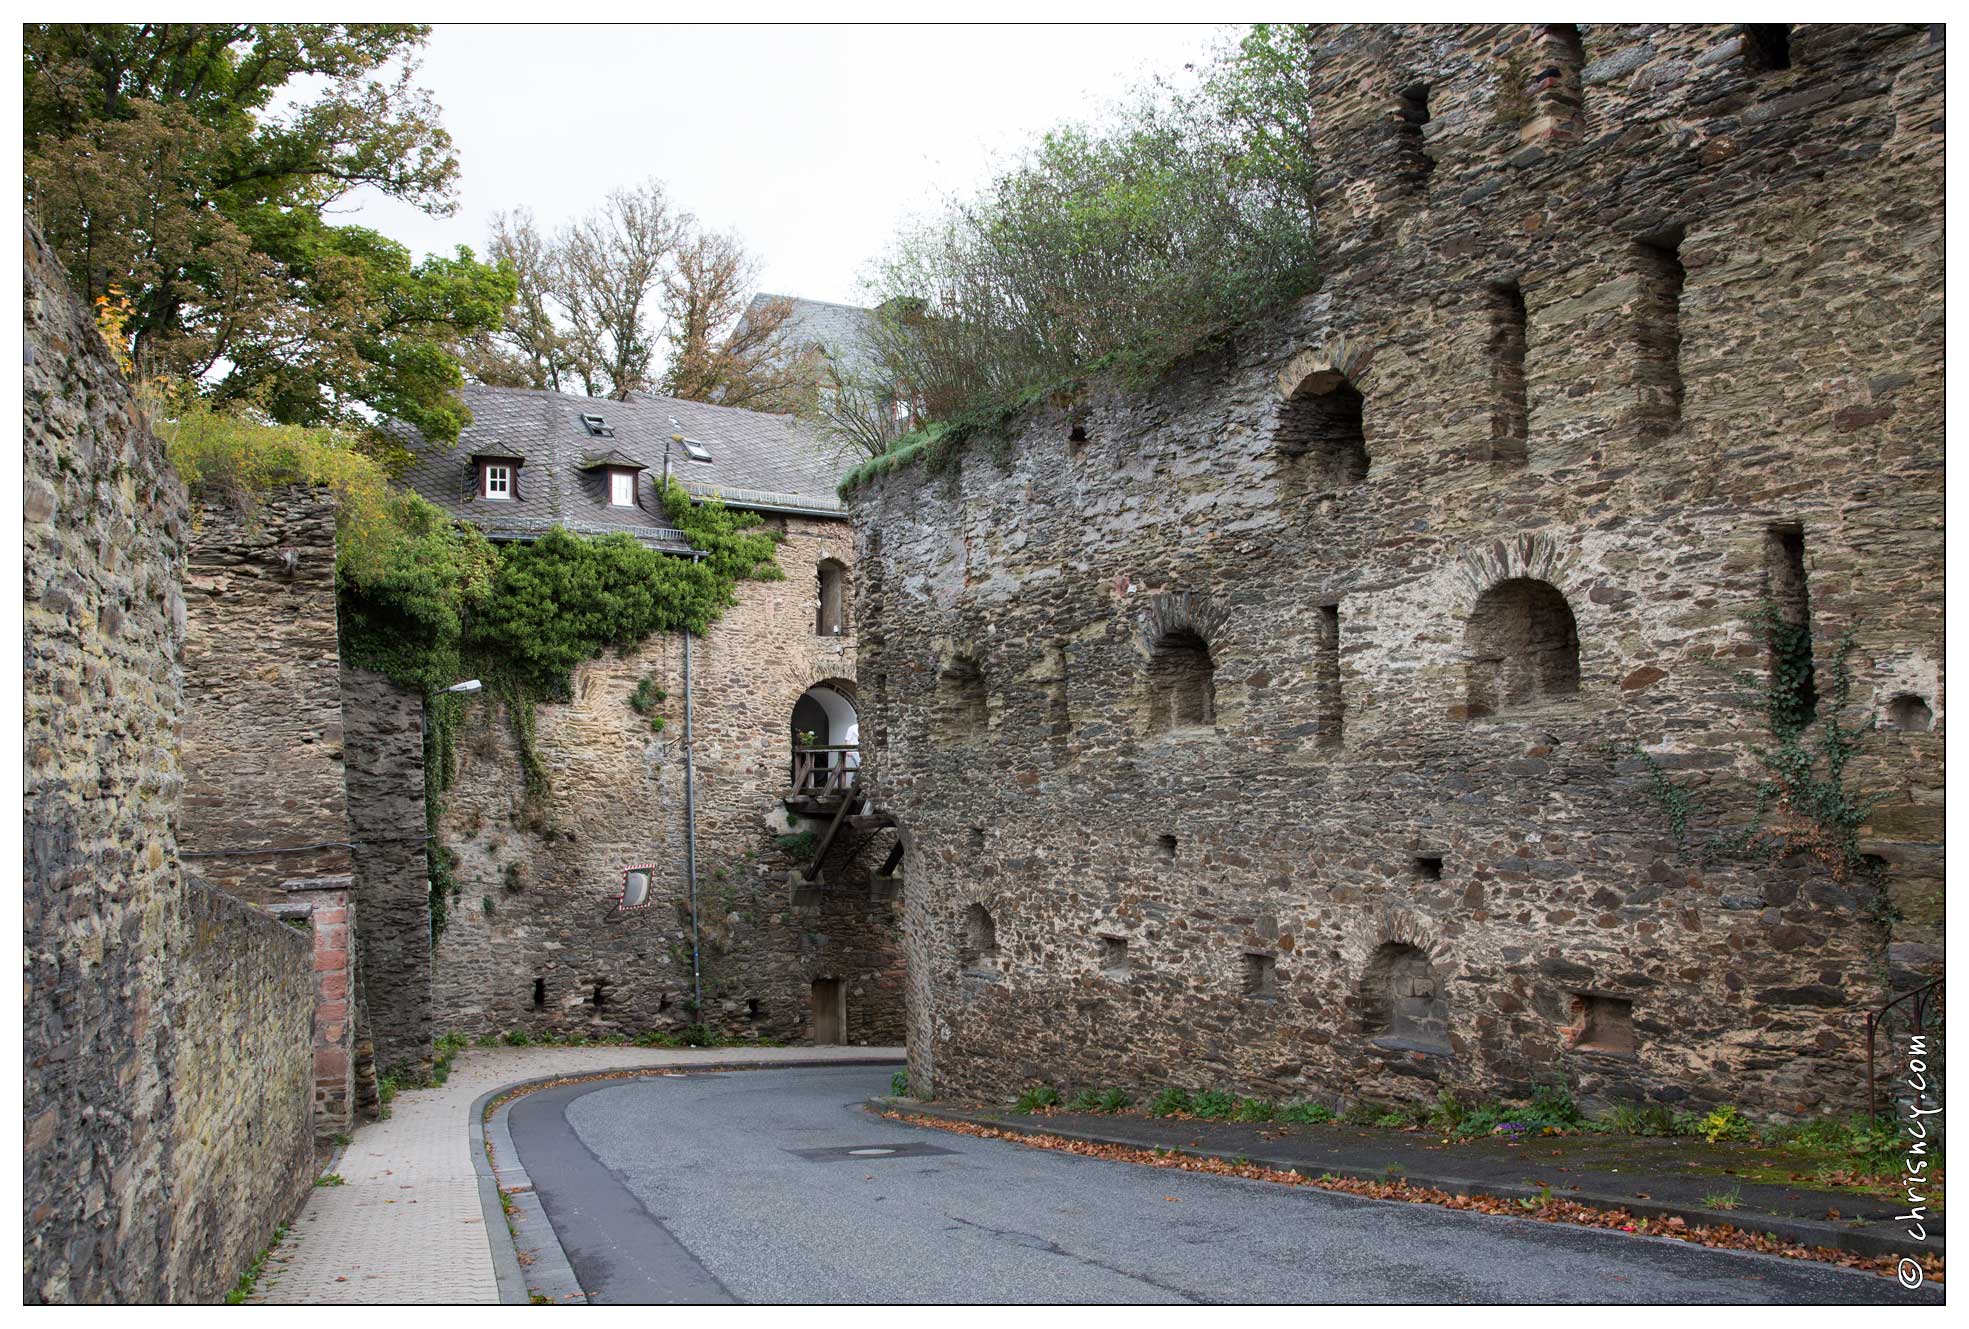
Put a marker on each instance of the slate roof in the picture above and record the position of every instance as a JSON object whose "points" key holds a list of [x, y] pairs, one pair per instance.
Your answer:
{"points": [[841, 331], [767, 462]]}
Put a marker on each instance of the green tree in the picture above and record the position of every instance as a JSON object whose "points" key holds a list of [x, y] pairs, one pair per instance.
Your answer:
{"points": [[187, 167]]}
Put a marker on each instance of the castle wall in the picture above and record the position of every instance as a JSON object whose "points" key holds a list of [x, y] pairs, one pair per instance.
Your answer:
{"points": [[141, 1180], [1391, 837], [535, 940]]}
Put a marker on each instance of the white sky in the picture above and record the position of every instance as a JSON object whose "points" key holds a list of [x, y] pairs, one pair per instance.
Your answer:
{"points": [[812, 142]]}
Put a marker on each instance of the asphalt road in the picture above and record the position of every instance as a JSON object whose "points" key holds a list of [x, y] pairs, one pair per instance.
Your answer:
{"points": [[741, 1187]]}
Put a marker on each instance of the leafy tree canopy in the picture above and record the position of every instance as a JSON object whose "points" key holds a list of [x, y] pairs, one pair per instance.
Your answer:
{"points": [[187, 167]]}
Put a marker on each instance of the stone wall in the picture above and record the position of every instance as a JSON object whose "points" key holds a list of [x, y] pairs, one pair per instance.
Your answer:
{"points": [[130, 974], [104, 616], [1250, 732], [385, 778], [536, 940], [242, 1129], [264, 797]]}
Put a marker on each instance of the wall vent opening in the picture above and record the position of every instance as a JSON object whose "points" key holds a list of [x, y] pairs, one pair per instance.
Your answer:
{"points": [[980, 945], [1261, 977], [1182, 683], [1523, 648], [1794, 677], [1909, 714], [1766, 47], [1402, 1003], [1322, 434], [1330, 719], [539, 993], [1114, 957], [1428, 867], [1413, 164], [1658, 333], [752, 1008], [1602, 1024], [1165, 848], [1509, 412]]}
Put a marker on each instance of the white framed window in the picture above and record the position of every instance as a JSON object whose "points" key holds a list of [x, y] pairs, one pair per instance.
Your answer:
{"points": [[498, 481], [622, 489]]}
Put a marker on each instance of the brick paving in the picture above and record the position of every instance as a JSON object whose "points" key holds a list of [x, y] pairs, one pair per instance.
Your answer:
{"points": [[406, 1225]]}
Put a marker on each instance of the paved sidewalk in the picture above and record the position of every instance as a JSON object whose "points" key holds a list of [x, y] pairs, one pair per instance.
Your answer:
{"points": [[407, 1225]]}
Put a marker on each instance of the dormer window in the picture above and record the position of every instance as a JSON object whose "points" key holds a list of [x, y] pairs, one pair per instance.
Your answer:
{"points": [[498, 481], [622, 489]]}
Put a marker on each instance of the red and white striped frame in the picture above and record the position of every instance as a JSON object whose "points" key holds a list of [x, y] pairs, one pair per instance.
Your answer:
{"points": [[622, 905]]}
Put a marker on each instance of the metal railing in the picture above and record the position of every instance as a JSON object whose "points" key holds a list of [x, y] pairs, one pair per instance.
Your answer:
{"points": [[1919, 1002]]}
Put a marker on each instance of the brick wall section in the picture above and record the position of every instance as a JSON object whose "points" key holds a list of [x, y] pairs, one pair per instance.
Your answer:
{"points": [[104, 618], [243, 1087], [134, 980], [1808, 203], [385, 776], [323, 909], [263, 707], [539, 885]]}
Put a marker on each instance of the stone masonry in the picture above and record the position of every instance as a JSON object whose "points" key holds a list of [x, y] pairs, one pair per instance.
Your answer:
{"points": [[165, 1025], [1271, 729], [536, 941]]}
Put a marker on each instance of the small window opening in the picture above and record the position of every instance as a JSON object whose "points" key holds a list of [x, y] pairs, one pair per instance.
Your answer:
{"points": [[1413, 163], [831, 613], [622, 489], [1428, 867], [1322, 434], [962, 706], [1331, 717], [1114, 957], [598, 426], [1658, 334], [693, 449], [1165, 848], [1182, 683], [598, 995], [1910, 714], [1557, 93], [1508, 410], [1794, 679], [1601, 1024], [980, 948], [1766, 47], [1523, 648], [1260, 977], [1077, 433], [1402, 1003], [498, 481], [752, 1008], [539, 993]]}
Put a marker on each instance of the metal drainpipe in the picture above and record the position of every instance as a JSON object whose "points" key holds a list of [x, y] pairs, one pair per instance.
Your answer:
{"points": [[690, 818]]}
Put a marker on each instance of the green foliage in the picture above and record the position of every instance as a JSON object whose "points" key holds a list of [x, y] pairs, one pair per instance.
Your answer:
{"points": [[899, 1084], [1552, 1104], [192, 167], [1039, 1096], [1213, 1105], [330, 1179], [1169, 1103], [1099, 1100], [1126, 244], [249, 1277], [646, 698], [1254, 1109], [1305, 1114], [1729, 1199], [1724, 1123]]}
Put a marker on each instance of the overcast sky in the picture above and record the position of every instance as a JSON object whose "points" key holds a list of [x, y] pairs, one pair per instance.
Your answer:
{"points": [[812, 142]]}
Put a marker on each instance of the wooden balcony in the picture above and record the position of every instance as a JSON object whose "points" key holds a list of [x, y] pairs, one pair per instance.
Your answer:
{"points": [[823, 778]]}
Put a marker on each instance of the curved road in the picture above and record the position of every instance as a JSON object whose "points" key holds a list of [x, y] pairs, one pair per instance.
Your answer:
{"points": [[745, 1187]]}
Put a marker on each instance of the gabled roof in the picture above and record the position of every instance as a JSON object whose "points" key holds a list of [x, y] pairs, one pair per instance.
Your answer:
{"points": [[768, 462], [841, 331]]}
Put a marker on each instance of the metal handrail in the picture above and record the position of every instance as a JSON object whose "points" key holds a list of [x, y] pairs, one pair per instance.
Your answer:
{"points": [[1874, 1019]]}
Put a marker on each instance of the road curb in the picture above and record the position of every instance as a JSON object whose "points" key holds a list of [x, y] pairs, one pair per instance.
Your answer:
{"points": [[497, 1164], [1800, 1231]]}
